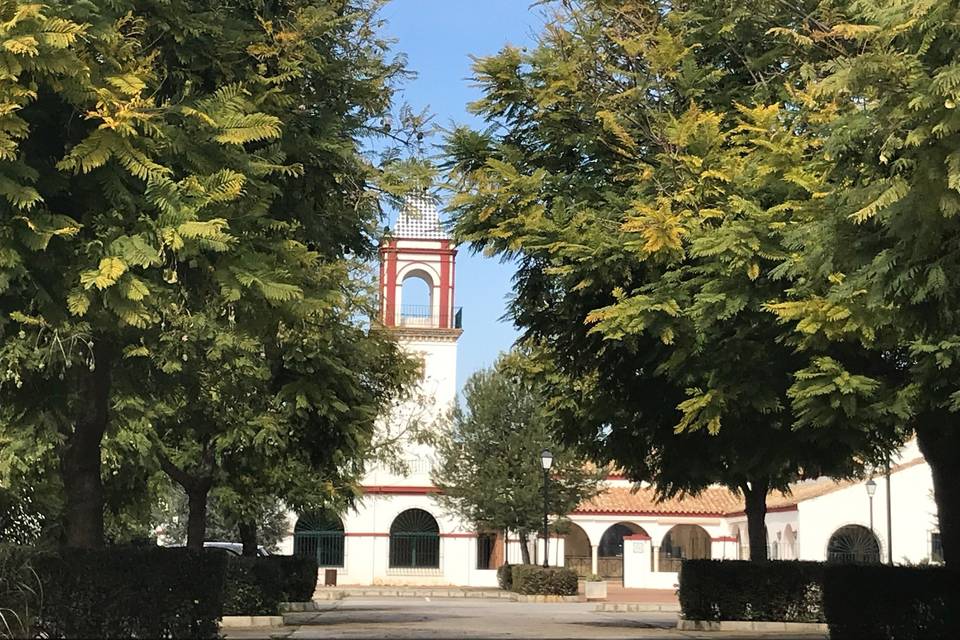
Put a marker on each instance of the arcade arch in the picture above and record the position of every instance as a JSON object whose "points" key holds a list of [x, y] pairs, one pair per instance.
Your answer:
{"points": [[683, 542]]}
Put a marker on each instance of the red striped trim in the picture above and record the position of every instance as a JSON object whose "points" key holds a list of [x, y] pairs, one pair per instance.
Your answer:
{"points": [[377, 534], [724, 539], [398, 490], [788, 507], [691, 514], [637, 536]]}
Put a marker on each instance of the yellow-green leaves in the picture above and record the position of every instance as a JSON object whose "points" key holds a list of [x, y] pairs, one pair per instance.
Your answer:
{"points": [[105, 275], [78, 302], [660, 228], [241, 129]]}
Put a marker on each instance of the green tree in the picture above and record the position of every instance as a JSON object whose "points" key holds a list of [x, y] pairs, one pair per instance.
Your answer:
{"points": [[165, 160], [643, 170], [222, 521], [874, 258], [489, 470]]}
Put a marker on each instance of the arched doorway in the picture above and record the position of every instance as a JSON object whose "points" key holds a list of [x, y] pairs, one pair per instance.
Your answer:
{"points": [[683, 542], [319, 534], [414, 540], [577, 554], [610, 549], [853, 543]]}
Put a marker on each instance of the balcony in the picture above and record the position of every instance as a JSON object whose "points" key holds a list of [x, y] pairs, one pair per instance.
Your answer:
{"points": [[425, 316]]}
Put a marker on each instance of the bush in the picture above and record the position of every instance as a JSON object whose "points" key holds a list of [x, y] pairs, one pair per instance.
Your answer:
{"points": [[19, 592], [505, 577], [257, 586], [871, 602], [146, 592], [784, 591], [530, 579]]}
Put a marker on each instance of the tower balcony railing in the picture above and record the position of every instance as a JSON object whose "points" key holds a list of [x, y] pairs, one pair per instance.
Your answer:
{"points": [[423, 315]]}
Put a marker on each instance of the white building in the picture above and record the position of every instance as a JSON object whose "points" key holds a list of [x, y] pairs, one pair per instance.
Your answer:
{"points": [[398, 534]]}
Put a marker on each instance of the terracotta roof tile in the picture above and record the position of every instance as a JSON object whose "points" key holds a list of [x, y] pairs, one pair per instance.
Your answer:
{"points": [[713, 501]]}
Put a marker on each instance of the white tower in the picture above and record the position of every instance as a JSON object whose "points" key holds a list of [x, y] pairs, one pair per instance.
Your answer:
{"points": [[420, 249], [397, 533]]}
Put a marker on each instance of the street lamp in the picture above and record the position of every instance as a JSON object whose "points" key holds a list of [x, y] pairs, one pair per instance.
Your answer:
{"points": [[546, 461], [871, 489]]}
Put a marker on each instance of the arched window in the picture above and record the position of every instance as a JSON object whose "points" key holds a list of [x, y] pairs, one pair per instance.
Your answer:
{"points": [[416, 308], [319, 534], [683, 542], [853, 543], [414, 540]]}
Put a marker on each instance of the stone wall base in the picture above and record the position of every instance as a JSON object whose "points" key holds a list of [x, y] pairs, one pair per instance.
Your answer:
{"points": [[232, 622], [751, 625]]}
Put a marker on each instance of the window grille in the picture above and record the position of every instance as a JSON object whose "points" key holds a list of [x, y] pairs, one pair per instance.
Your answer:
{"points": [[414, 540]]}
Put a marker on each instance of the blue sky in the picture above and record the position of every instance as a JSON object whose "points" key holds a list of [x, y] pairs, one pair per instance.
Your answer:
{"points": [[438, 37]]}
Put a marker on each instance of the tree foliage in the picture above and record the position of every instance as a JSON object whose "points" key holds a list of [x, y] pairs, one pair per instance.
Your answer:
{"points": [[489, 470], [873, 263], [643, 165], [185, 169]]}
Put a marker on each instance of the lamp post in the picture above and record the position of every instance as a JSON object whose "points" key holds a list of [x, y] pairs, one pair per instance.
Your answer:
{"points": [[546, 461], [871, 489], [889, 518]]}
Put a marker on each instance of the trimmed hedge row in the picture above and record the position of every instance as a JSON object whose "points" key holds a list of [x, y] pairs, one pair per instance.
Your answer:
{"points": [[858, 602], [742, 590], [866, 602], [147, 592], [257, 586], [530, 579]]}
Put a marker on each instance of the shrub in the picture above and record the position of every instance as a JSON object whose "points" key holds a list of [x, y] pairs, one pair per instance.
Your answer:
{"points": [[257, 586], [544, 581], [784, 591], [146, 592], [879, 602], [19, 592], [505, 577]]}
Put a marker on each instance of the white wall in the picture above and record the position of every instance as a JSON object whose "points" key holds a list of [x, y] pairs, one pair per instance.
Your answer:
{"points": [[913, 515]]}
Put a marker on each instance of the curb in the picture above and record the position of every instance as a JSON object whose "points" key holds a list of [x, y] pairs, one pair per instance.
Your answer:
{"points": [[751, 625], [523, 598], [340, 594], [637, 607], [233, 622]]}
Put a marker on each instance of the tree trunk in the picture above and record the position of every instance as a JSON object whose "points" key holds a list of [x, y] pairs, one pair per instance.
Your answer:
{"points": [[248, 536], [755, 499], [939, 439], [80, 457], [525, 548], [197, 488], [197, 518]]}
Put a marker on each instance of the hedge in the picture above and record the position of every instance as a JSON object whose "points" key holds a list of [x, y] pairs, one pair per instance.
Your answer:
{"points": [[145, 592], [867, 602], [530, 579], [505, 577], [784, 591], [257, 586]]}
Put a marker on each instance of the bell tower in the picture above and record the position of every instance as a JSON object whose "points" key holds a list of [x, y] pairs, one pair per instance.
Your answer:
{"points": [[426, 328], [419, 249]]}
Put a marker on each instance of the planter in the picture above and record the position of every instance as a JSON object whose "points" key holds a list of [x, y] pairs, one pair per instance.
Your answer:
{"points": [[596, 590]]}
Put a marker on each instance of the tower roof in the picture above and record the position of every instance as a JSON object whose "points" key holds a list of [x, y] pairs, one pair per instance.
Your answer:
{"points": [[419, 218]]}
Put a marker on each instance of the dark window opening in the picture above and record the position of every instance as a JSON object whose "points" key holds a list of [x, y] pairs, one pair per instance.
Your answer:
{"points": [[485, 546]]}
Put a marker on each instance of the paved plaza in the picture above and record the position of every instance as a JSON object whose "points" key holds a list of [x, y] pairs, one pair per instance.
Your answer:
{"points": [[400, 618]]}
